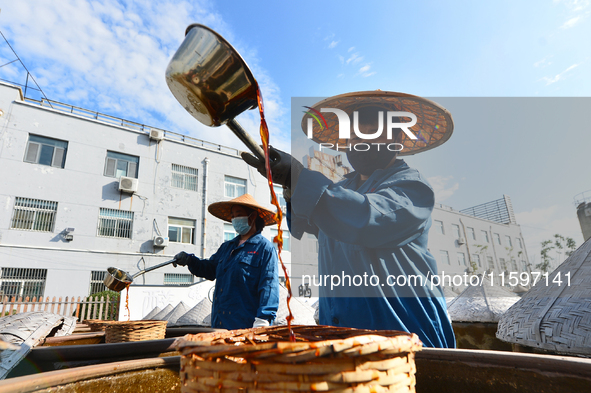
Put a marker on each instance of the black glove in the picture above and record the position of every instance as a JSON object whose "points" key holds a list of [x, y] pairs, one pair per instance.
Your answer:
{"points": [[284, 168], [181, 259]]}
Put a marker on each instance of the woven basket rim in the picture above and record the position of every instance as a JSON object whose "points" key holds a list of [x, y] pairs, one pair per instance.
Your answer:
{"points": [[255, 341]]}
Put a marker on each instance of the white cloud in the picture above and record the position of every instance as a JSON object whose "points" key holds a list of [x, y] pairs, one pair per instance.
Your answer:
{"points": [[571, 22], [544, 62], [354, 58], [351, 49], [333, 44], [111, 57], [443, 186], [558, 77]]}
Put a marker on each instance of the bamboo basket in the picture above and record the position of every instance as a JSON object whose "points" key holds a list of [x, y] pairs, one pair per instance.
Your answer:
{"points": [[124, 331], [97, 325], [323, 358]]}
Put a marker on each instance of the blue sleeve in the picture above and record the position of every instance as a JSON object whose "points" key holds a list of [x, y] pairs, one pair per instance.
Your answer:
{"points": [[396, 213], [298, 225], [205, 268], [268, 286]]}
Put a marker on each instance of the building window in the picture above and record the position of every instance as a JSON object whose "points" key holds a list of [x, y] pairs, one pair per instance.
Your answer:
{"points": [[524, 266], [476, 259], [312, 243], [97, 278], [461, 259], [115, 223], [286, 242], [119, 164], [46, 151], [279, 193], [234, 187], [229, 232], [498, 238], [503, 264], [519, 243], [181, 230], [471, 233], [178, 279], [509, 243], [184, 177], [514, 265], [439, 227], [33, 215], [485, 236], [455, 228], [444, 257], [22, 282], [491, 263]]}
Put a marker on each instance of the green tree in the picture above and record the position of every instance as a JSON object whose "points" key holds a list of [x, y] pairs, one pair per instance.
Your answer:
{"points": [[559, 244]]}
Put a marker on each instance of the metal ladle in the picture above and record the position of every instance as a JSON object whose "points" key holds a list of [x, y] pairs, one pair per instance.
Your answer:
{"points": [[117, 279], [210, 79]]}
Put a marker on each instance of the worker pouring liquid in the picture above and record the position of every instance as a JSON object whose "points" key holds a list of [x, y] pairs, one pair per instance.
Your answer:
{"points": [[375, 221], [245, 268]]}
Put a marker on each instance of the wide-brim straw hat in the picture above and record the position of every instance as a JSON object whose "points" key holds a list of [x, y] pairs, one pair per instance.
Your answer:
{"points": [[434, 123], [223, 210]]}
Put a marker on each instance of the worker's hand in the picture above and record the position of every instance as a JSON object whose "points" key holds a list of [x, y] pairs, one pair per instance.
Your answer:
{"points": [[259, 322], [181, 259], [284, 168]]}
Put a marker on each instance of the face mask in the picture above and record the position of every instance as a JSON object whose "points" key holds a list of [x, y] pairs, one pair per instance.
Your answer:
{"points": [[367, 162], [240, 225]]}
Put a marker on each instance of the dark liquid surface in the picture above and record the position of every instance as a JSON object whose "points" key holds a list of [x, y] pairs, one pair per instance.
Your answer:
{"points": [[279, 214]]}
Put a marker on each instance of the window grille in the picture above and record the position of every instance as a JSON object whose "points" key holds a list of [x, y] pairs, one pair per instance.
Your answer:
{"points": [[514, 265], [22, 281], [234, 187], [46, 151], [34, 215], [503, 264], [118, 164], [184, 177], [180, 230], [286, 242], [97, 284], [178, 279], [115, 223], [229, 232]]}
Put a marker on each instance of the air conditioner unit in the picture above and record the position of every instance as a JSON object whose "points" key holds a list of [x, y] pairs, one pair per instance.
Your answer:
{"points": [[462, 240], [157, 135], [160, 241], [128, 184]]}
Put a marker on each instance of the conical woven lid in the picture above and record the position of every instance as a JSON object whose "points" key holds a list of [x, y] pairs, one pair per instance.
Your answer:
{"points": [[160, 316], [223, 210], [481, 303], [152, 313], [176, 313], [302, 313], [555, 314], [196, 316], [434, 123]]}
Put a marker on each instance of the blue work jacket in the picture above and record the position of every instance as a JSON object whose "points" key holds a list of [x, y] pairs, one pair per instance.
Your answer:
{"points": [[247, 282], [377, 228]]}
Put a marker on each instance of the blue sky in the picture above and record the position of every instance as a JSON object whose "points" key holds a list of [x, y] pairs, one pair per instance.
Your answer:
{"points": [[110, 56]]}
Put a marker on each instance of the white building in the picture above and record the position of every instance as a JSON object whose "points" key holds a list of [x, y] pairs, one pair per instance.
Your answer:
{"points": [[82, 191]]}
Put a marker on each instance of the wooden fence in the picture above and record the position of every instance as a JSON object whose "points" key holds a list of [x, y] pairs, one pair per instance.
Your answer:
{"points": [[81, 308]]}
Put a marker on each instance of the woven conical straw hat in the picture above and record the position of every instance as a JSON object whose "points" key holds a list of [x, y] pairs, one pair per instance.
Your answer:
{"points": [[223, 210], [434, 123]]}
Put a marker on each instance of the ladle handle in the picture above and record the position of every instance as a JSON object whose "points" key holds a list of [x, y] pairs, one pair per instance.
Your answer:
{"points": [[152, 268], [246, 139]]}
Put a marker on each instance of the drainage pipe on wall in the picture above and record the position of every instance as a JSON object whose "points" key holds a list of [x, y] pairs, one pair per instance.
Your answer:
{"points": [[204, 209]]}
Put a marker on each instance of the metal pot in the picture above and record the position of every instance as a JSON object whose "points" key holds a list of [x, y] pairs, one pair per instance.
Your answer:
{"points": [[212, 82], [117, 279]]}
